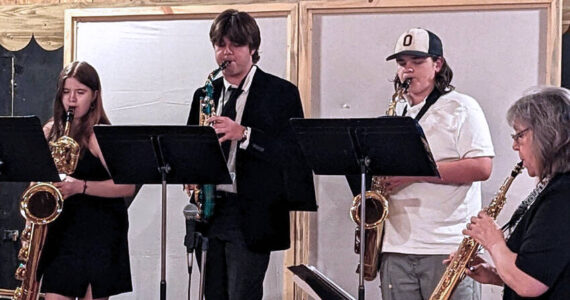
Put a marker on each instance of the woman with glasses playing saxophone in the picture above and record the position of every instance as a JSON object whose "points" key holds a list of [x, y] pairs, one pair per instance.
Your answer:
{"points": [[533, 261], [85, 254], [427, 214]]}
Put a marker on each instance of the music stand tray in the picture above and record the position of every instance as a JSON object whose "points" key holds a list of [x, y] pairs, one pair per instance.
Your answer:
{"points": [[162, 154], [24, 151], [395, 146], [192, 153], [385, 146]]}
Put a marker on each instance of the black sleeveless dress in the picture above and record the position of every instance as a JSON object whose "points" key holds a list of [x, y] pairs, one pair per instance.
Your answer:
{"points": [[87, 243]]}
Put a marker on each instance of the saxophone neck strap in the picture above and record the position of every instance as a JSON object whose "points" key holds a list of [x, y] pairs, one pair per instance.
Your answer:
{"points": [[431, 99]]}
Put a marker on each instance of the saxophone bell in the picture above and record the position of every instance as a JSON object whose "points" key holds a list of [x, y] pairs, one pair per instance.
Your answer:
{"points": [[376, 213]]}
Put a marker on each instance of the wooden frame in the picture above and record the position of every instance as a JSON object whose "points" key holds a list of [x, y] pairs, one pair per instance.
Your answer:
{"points": [[74, 16], [290, 10], [308, 9]]}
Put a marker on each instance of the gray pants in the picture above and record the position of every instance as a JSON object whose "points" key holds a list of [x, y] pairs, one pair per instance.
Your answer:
{"points": [[411, 277]]}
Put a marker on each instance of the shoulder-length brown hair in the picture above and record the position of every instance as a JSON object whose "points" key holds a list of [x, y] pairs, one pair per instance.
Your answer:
{"points": [[240, 28], [546, 110], [87, 75]]}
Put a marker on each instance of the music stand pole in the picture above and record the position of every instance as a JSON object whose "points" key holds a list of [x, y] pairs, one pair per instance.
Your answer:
{"points": [[363, 164], [163, 168]]}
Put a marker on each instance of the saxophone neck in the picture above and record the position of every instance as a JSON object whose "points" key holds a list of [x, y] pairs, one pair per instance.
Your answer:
{"points": [[499, 200], [207, 107], [397, 97], [215, 73]]}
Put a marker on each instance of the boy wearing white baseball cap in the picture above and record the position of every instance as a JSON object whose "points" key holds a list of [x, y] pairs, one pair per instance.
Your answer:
{"points": [[427, 214]]}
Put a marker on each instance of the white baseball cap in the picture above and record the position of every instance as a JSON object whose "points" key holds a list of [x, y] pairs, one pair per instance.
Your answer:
{"points": [[417, 42]]}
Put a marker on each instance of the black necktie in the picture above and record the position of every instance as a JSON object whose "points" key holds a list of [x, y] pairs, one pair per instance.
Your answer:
{"points": [[229, 110]]}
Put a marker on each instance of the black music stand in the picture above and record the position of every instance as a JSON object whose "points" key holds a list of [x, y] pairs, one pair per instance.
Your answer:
{"points": [[24, 152], [385, 146], [317, 285], [162, 154]]}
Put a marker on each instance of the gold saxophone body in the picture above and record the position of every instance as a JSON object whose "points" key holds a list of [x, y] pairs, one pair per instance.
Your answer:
{"points": [[376, 209], [203, 195], [455, 271], [40, 204]]}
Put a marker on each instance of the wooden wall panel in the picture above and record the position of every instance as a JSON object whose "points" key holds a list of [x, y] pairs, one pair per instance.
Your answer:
{"points": [[20, 19]]}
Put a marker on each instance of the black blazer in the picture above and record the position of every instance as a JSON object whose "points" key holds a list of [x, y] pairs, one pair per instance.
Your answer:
{"points": [[272, 176]]}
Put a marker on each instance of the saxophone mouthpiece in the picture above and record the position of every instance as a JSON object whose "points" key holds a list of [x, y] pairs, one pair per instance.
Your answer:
{"points": [[70, 114], [406, 83], [518, 169], [224, 64]]}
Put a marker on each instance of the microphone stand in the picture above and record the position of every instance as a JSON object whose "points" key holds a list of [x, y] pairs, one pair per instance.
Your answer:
{"points": [[204, 247], [190, 213], [194, 240]]}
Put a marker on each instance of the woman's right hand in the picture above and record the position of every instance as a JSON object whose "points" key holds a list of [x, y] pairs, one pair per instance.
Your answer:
{"points": [[482, 272]]}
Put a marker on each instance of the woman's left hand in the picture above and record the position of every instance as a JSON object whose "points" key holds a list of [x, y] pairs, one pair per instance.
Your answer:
{"points": [[484, 230], [69, 186]]}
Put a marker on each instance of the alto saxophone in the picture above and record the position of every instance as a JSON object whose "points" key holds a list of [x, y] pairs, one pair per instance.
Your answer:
{"points": [[376, 208], [41, 204], [455, 271], [203, 195]]}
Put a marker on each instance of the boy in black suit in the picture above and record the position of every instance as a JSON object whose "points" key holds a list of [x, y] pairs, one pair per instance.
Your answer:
{"points": [[251, 216]]}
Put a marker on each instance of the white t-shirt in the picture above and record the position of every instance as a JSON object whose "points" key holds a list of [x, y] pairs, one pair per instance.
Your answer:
{"points": [[427, 218]]}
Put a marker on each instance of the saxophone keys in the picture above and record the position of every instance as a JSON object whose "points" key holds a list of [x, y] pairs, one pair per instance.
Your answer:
{"points": [[27, 233], [18, 294], [24, 253], [21, 272], [357, 240]]}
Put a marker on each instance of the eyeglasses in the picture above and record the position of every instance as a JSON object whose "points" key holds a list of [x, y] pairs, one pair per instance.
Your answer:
{"points": [[520, 134]]}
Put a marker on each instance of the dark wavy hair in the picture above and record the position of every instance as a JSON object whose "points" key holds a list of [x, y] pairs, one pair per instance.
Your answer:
{"points": [[87, 75], [442, 78], [546, 110], [239, 27]]}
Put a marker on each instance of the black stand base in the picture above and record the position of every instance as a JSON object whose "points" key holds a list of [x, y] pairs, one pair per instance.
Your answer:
{"points": [[162, 289]]}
